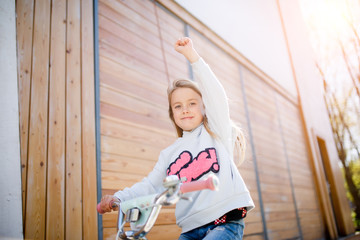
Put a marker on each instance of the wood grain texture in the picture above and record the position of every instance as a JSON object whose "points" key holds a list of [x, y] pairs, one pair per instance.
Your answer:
{"points": [[24, 25], [89, 183], [38, 124], [56, 96], [73, 224], [55, 207]]}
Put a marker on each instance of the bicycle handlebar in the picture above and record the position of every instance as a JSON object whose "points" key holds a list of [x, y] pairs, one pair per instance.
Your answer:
{"points": [[211, 183]]}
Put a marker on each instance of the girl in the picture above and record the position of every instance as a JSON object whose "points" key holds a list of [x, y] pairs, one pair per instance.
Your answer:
{"points": [[206, 143]]}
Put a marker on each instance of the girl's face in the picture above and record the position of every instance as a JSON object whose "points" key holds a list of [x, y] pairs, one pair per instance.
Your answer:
{"points": [[188, 109]]}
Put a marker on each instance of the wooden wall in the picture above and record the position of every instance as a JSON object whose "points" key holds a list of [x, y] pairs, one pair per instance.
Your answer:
{"points": [[137, 61], [136, 64], [57, 120]]}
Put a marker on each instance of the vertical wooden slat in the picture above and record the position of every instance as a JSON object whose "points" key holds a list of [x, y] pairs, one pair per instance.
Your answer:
{"points": [[25, 14], [322, 188], [88, 122], [56, 142], [73, 124], [37, 163]]}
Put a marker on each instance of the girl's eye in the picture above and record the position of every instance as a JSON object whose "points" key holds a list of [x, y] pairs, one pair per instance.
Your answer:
{"points": [[193, 103], [177, 106]]}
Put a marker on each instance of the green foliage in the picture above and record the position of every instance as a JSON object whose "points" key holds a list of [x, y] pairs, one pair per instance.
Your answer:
{"points": [[354, 167]]}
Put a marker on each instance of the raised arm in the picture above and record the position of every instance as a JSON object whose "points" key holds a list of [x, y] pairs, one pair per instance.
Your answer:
{"points": [[213, 93]]}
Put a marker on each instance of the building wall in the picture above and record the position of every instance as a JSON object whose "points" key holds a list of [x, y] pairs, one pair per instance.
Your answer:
{"points": [[283, 169], [137, 61]]}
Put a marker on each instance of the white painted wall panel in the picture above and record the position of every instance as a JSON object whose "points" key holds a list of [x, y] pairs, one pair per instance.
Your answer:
{"points": [[10, 178]]}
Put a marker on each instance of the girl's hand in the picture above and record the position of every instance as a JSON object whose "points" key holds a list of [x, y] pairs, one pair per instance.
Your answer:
{"points": [[105, 204], [185, 46]]}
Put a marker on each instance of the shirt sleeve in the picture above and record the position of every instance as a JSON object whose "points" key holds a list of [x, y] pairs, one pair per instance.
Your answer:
{"points": [[216, 102], [149, 185]]}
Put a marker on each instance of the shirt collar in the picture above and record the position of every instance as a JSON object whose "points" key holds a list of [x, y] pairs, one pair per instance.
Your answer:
{"points": [[195, 131]]}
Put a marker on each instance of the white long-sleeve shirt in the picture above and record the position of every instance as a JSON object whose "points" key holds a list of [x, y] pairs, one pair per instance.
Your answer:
{"points": [[196, 155]]}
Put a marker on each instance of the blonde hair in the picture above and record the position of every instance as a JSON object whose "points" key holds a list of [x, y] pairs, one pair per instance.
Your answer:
{"points": [[239, 140], [237, 134], [185, 83]]}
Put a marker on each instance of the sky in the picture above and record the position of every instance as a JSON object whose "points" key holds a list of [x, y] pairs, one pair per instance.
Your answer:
{"points": [[328, 24]]}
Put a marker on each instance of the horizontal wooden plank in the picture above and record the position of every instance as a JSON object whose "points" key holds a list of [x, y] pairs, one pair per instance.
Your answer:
{"points": [[135, 133], [300, 179], [248, 175], [278, 207], [177, 68], [258, 236], [314, 234], [258, 92], [310, 218], [132, 89], [306, 198], [144, 8], [166, 20], [131, 104], [280, 216], [129, 149], [109, 38], [284, 197], [120, 57], [276, 176], [252, 228], [285, 234], [203, 45], [267, 163], [117, 30], [118, 113], [274, 188], [119, 181], [122, 72], [121, 164], [253, 216], [128, 18], [274, 225]]}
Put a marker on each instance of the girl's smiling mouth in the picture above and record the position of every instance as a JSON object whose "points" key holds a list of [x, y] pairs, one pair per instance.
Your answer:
{"points": [[187, 118]]}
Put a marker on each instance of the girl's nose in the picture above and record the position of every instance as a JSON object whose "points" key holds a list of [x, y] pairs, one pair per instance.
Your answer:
{"points": [[185, 109]]}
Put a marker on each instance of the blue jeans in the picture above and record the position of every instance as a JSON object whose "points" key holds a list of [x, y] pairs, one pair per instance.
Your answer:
{"points": [[225, 231]]}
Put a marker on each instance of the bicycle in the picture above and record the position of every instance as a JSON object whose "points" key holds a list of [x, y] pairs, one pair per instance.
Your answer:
{"points": [[142, 212]]}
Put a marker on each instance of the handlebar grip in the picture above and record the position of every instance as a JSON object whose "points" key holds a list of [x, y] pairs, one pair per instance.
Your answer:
{"points": [[112, 204], [212, 183]]}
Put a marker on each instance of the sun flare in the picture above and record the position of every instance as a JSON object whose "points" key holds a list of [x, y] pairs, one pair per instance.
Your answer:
{"points": [[329, 18]]}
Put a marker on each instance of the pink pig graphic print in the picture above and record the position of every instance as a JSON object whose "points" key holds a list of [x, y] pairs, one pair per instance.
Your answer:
{"points": [[194, 168]]}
